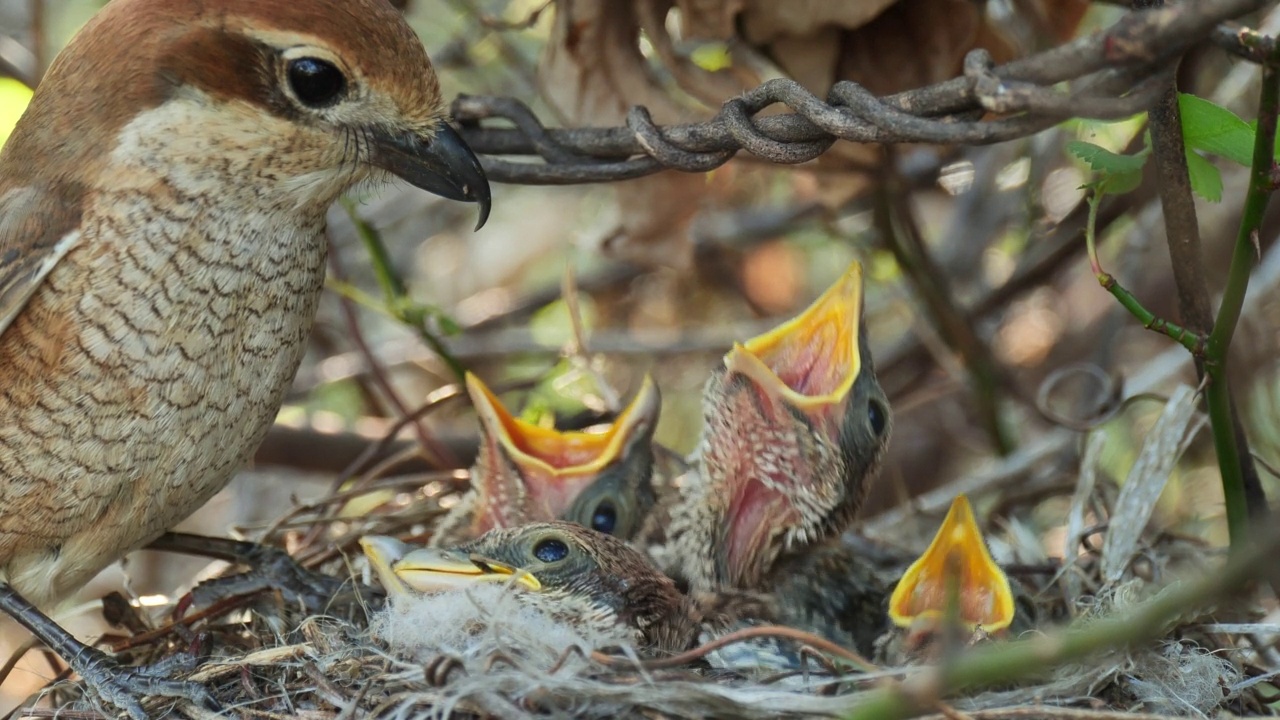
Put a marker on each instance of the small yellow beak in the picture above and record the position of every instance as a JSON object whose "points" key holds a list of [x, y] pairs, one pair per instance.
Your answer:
{"points": [[956, 559], [561, 454], [811, 360], [403, 570]]}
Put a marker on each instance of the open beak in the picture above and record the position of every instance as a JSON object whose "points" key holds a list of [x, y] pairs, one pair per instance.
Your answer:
{"points": [[811, 361], [554, 466], [403, 570], [808, 366], [440, 163], [955, 575]]}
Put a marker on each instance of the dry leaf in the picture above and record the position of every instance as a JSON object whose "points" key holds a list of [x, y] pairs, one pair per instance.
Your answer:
{"points": [[1163, 446], [593, 72]]}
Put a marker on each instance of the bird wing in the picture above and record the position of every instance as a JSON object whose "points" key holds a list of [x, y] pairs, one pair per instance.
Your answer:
{"points": [[37, 229]]}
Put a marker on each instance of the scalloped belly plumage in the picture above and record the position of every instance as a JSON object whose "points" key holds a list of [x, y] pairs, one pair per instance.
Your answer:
{"points": [[138, 380]]}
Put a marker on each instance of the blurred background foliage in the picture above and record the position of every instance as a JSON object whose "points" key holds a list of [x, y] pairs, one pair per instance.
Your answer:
{"points": [[676, 267], [979, 302]]}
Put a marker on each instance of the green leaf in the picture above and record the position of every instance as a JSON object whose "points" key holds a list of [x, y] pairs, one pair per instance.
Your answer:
{"points": [[1215, 130], [1119, 184], [448, 325], [712, 56], [1104, 161], [14, 97], [1206, 180]]}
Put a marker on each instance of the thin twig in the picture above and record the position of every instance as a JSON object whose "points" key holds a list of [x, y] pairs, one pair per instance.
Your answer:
{"points": [[901, 232], [396, 296]]}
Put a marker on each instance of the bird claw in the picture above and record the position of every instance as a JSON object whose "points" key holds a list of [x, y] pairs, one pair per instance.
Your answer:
{"points": [[274, 569], [125, 688]]}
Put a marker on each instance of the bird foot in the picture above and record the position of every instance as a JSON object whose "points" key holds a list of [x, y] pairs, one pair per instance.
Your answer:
{"points": [[274, 569], [126, 688], [270, 568], [106, 679]]}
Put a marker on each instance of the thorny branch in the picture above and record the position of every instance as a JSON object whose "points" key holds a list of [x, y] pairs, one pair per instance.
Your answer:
{"points": [[1111, 74]]}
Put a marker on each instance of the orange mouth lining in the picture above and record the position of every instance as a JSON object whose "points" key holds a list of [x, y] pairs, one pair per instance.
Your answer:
{"points": [[555, 452], [957, 554], [812, 358]]}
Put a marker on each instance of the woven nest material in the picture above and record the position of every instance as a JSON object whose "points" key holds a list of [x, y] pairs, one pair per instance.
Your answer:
{"points": [[479, 653], [504, 665]]}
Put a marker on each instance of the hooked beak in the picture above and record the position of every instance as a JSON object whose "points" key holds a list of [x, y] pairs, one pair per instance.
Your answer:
{"points": [[441, 163], [404, 570], [955, 574]]}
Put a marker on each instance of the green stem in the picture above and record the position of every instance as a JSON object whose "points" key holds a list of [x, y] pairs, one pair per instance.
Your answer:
{"points": [[1218, 397], [1255, 205], [359, 297], [1243, 256], [1090, 233], [1190, 340], [396, 294]]}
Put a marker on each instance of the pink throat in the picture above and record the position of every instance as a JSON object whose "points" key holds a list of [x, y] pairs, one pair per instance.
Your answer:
{"points": [[753, 459], [755, 516]]}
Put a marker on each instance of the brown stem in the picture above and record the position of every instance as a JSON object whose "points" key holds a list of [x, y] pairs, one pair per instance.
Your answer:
{"points": [[1182, 231]]}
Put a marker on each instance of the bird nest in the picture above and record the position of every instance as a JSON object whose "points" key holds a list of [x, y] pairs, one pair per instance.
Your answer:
{"points": [[479, 652]]}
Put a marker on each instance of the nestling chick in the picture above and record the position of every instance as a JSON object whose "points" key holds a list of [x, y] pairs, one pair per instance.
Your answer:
{"points": [[525, 473], [953, 590], [795, 423], [162, 252], [571, 573]]}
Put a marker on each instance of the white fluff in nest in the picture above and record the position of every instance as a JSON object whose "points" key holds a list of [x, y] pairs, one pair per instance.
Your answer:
{"points": [[475, 622], [1184, 679]]}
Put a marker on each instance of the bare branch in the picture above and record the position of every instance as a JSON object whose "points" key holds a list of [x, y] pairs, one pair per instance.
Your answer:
{"points": [[1111, 74]]}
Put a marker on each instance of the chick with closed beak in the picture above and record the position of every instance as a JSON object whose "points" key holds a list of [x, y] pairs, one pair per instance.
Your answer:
{"points": [[568, 572]]}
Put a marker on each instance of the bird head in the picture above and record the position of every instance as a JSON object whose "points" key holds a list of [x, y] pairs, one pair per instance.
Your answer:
{"points": [[528, 473], [298, 101], [568, 571], [794, 424]]}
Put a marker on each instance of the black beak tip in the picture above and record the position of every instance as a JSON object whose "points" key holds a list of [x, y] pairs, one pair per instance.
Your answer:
{"points": [[484, 201], [466, 169], [442, 164]]}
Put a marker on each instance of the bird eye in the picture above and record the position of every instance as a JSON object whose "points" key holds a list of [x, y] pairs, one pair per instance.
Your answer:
{"points": [[605, 518], [877, 416], [550, 550], [317, 83]]}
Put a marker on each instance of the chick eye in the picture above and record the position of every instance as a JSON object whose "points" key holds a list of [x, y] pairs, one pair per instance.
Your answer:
{"points": [[605, 518], [316, 82], [550, 550], [877, 416]]}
